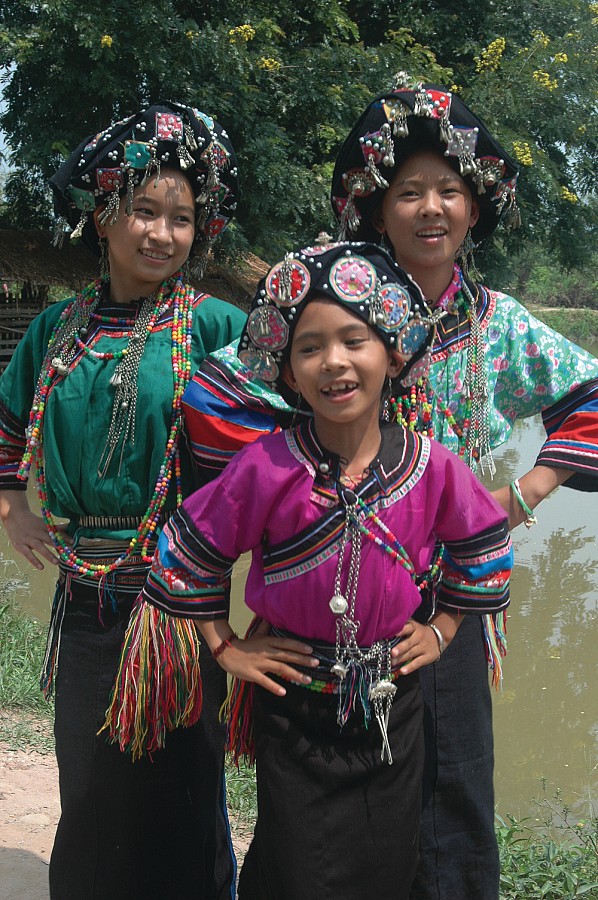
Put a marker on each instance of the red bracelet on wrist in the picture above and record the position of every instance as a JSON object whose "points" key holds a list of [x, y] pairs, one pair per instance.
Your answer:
{"points": [[227, 642]]}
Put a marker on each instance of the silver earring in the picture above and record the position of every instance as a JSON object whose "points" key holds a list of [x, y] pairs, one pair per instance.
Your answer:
{"points": [[104, 262], [387, 402], [465, 257]]}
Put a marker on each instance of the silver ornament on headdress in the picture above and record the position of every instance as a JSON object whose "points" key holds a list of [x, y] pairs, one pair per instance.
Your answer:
{"points": [[110, 212], [285, 284]]}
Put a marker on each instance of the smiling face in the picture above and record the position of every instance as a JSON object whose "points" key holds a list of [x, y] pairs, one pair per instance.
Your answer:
{"points": [[153, 242], [425, 214], [339, 365]]}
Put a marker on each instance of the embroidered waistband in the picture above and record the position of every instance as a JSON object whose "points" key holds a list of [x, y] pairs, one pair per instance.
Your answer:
{"points": [[117, 523], [323, 679]]}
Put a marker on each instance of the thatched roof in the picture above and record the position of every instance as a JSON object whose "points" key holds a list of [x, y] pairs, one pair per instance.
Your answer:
{"points": [[30, 256]]}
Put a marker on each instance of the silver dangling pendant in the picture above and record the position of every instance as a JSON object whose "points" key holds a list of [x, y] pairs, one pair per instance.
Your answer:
{"points": [[338, 605], [60, 366], [382, 693], [339, 669]]}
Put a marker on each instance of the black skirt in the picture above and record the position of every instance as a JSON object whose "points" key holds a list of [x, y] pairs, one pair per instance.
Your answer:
{"points": [[155, 829], [334, 820]]}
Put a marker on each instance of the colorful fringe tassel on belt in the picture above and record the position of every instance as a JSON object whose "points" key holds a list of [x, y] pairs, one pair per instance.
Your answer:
{"points": [[158, 683]]}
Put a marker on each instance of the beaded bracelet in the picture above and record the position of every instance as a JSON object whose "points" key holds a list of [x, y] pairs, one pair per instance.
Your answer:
{"points": [[531, 518], [227, 642]]}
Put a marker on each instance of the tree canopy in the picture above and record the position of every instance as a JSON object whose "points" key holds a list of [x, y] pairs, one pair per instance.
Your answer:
{"points": [[287, 81]]}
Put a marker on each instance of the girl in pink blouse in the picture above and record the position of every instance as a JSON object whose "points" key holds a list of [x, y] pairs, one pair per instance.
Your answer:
{"points": [[342, 514]]}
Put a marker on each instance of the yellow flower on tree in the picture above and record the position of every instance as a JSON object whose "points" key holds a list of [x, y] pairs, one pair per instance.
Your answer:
{"points": [[544, 79], [540, 37], [489, 59], [569, 196], [269, 64], [106, 40], [523, 153], [241, 33], [561, 57]]}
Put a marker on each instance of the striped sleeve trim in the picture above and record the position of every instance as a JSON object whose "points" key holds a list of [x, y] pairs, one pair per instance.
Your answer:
{"points": [[572, 429], [188, 578], [12, 447], [222, 415], [476, 572]]}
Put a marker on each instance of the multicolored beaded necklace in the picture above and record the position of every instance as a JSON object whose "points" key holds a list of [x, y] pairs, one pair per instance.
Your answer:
{"points": [[414, 411], [62, 349]]}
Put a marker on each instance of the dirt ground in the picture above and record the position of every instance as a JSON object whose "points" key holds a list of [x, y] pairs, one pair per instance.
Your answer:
{"points": [[29, 812]]}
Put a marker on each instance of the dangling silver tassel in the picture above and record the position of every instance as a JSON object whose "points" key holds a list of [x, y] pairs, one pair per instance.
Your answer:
{"points": [[476, 385], [80, 226], [513, 215], [382, 694], [467, 163], [389, 157], [190, 140], [130, 192], [422, 105], [110, 211], [349, 221], [381, 182], [466, 259], [446, 129], [185, 158], [196, 264]]}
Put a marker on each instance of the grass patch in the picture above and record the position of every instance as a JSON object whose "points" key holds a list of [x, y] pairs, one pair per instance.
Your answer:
{"points": [[554, 857], [576, 324], [241, 793], [25, 717]]}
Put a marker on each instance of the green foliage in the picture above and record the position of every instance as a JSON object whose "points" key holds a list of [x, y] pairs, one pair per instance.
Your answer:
{"points": [[241, 793], [25, 717], [288, 80], [539, 280], [21, 654], [556, 859], [578, 325]]}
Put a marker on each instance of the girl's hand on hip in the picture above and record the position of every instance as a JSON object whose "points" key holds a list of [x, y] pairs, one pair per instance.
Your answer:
{"points": [[26, 532], [254, 658], [419, 644], [418, 647]]}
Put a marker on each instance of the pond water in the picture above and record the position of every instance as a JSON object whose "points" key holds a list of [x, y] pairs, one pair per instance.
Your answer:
{"points": [[546, 716]]}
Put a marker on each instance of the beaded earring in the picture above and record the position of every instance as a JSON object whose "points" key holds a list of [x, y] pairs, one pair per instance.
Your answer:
{"points": [[465, 257], [387, 401]]}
